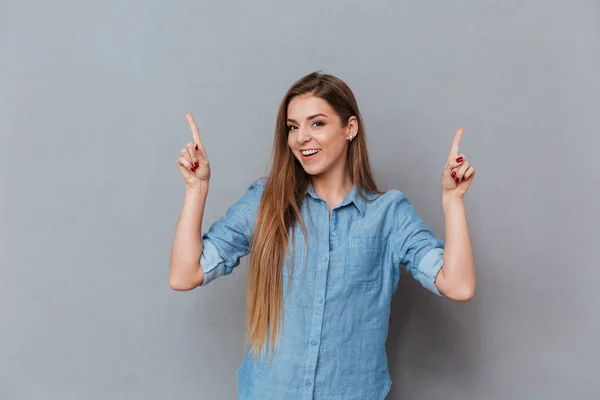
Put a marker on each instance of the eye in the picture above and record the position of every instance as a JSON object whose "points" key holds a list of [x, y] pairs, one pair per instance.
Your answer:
{"points": [[289, 128], [319, 122]]}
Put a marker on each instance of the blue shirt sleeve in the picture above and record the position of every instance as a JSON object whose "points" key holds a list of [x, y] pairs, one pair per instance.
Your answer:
{"points": [[228, 239], [416, 246]]}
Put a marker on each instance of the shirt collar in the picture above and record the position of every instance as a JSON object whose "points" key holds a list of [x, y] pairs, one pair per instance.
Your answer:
{"points": [[351, 197]]}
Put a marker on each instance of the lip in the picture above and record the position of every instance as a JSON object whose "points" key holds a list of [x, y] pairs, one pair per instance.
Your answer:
{"points": [[310, 157]]}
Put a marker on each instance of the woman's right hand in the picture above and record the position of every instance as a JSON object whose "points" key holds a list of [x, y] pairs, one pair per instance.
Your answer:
{"points": [[193, 163]]}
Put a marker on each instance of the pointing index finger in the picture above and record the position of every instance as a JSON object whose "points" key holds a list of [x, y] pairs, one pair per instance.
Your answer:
{"points": [[456, 141], [193, 127]]}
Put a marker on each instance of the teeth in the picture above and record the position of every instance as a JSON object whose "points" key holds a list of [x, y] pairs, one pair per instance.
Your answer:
{"points": [[309, 152]]}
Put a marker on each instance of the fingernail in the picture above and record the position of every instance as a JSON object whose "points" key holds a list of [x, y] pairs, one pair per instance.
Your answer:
{"points": [[459, 159], [193, 169], [196, 147], [457, 179], [453, 174], [196, 164]]}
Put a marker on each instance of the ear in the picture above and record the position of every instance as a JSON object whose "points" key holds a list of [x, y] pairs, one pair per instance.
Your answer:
{"points": [[351, 128]]}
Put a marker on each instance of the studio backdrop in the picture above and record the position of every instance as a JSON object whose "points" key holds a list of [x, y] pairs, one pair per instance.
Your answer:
{"points": [[92, 103]]}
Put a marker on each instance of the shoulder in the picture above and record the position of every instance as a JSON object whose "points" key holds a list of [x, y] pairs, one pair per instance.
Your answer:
{"points": [[262, 181], [255, 191], [394, 195], [391, 198], [393, 204], [258, 184]]}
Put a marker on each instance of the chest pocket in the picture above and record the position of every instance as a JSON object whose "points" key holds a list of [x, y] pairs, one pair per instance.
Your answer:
{"points": [[364, 262]]}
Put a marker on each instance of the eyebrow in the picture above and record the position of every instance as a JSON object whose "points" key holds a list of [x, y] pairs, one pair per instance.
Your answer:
{"points": [[309, 118]]}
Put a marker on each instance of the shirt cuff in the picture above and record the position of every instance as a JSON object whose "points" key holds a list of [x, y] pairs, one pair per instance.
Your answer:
{"points": [[211, 262], [428, 269]]}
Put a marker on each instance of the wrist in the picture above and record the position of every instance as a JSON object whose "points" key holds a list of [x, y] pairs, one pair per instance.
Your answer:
{"points": [[200, 187], [452, 198]]}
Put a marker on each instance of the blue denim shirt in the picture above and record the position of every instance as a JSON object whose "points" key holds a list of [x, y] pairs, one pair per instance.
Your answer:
{"points": [[336, 308]]}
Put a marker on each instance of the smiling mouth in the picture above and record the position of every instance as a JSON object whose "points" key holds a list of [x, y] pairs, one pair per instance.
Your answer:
{"points": [[310, 152]]}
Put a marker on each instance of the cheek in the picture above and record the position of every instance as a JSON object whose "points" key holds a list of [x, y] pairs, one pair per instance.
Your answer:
{"points": [[292, 146], [336, 143]]}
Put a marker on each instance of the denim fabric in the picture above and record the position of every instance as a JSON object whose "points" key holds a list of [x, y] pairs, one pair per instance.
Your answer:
{"points": [[337, 305]]}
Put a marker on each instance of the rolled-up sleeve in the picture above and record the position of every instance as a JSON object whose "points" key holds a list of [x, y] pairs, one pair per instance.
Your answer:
{"points": [[416, 246], [228, 239]]}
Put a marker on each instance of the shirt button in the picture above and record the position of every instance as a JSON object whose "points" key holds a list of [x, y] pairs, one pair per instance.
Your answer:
{"points": [[334, 233], [313, 342], [324, 258], [307, 383], [320, 301]]}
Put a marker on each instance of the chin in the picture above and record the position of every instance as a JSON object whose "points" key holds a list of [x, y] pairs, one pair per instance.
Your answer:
{"points": [[313, 171]]}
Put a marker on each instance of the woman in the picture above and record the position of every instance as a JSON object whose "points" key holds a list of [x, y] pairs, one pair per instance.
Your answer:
{"points": [[325, 250]]}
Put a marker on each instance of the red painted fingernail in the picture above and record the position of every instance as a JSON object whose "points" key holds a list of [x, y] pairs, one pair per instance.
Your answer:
{"points": [[196, 164], [196, 147], [457, 179], [453, 174], [459, 159], [193, 169]]}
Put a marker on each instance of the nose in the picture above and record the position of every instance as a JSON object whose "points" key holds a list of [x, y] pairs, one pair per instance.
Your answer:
{"points": [[303, 135]]}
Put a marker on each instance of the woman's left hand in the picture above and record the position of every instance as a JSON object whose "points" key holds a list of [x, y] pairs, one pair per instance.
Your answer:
{"points": [[458, 172]]}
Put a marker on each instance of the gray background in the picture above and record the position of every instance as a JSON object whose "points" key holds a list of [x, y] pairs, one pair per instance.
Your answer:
{"points": [[92, 103]]}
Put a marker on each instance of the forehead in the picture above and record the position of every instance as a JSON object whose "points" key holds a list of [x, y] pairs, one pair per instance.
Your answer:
{"points": [[305, 105]]}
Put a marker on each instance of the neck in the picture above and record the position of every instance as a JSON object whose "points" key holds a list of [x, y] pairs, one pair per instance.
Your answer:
{"points": [[333, 186]]}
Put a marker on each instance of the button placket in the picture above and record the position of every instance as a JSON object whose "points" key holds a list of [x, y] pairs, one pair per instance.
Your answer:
{"points": [[320, 289], [333, 223]]}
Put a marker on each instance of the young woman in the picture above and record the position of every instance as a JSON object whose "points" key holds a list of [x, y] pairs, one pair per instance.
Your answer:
{"points": [[325, 248]]}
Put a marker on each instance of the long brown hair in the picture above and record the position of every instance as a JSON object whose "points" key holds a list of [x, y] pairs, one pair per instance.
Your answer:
{"points": [[280, 206]]}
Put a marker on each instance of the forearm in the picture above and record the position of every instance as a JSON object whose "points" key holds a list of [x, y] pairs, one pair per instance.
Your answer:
{"points": [[459, 267], [187, 244]]}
